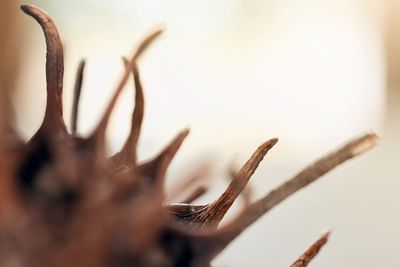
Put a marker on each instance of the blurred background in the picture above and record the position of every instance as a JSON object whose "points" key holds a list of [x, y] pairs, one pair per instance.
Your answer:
{"points": [[313, 73]]}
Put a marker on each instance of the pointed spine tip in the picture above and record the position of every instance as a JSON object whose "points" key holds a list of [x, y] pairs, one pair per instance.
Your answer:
{"points": [[185, 132], [274, 140], [365, 143], [307, 256], [266, 146], [33, 11], [146, 43], [26, 7]]}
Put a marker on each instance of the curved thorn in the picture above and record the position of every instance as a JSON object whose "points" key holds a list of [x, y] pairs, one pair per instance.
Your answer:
{"points": [[213, 213], [311, 252], [304, 178], [77, 96], [155, 170], [99, 132], [219, 208], [145, 44], [312, 173], [128, 153], [54, 68]]}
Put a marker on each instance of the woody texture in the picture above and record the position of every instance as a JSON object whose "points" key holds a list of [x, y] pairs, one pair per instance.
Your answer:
{"points": [[64, 201]]}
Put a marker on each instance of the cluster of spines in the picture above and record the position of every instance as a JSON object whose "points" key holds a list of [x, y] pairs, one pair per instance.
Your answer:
{"points": [[77, 206]]}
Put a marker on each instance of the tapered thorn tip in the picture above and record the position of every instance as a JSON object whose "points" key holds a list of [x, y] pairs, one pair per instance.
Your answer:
{"points": [[28, 9], [365, 143]]}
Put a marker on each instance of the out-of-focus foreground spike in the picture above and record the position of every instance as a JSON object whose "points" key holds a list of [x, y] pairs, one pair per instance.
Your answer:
{"points": [[63, 202], [53, 119], [128, 154], [311, 252], [77, 96]]}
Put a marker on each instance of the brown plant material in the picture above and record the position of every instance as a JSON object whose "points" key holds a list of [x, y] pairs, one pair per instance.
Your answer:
{"points": [[65, 202], [305, 177], [127, 156], [77, 96], [311, 252]]}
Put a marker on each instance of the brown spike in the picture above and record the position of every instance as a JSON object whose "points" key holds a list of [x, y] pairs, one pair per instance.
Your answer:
{"points": [[144, 45], [219, 208], [63, 204], [210, 243], [304, 178], [53, 118], [155, 170], [77, 96], [311, 173], [311, 252], [212, 214], [99, 132], [128, 153]]}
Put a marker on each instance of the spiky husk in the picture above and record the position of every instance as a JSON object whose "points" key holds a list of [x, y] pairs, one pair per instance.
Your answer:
{"points": [[65, 202]]}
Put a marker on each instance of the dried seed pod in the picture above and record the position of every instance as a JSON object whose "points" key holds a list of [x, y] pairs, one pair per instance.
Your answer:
{"points": [[64, 202]]}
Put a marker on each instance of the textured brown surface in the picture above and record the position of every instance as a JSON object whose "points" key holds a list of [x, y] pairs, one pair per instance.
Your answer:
{"points": [[64, 202]]}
